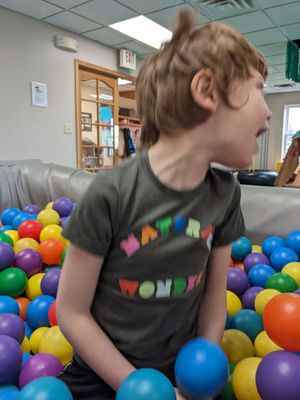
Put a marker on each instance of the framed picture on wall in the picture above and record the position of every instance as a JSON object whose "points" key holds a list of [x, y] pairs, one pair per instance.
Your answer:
{"points": [[86, 119]]}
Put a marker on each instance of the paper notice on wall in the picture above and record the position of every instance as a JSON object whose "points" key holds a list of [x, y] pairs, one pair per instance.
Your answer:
{"points": [[39, 97]]}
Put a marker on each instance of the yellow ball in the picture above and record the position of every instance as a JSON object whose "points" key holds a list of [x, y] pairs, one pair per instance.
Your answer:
{"points": [[51, 232], [33, 286], [233, 303], [55, 343], [49, 205], [263, 345], [48, 217], [26, 243], [256, 248], [237, 345], [292, 269], [35, 338], [25, 345], [13, 235], [262, 298], [243, 379]]}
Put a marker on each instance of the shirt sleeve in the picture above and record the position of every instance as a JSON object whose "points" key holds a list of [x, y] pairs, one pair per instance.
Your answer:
{"points": [[232, 226], [90, 226]]}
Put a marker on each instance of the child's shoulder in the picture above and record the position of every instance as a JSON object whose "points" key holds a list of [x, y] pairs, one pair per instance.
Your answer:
{"points": [[223, 180]]}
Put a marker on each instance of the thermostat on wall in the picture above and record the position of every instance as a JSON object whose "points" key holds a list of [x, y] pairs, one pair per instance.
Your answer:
{"points": [[127, 59], [66, 43]]}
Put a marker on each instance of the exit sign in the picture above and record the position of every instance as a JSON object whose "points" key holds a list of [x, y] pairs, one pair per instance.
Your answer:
{"points": [[127, 59]]}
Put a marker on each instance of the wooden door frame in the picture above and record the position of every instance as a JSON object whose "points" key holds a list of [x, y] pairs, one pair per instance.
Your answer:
{"points": [[83, 65]]}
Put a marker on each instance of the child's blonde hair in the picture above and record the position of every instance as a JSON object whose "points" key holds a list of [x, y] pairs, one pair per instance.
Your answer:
{"points": [[164, 98]]}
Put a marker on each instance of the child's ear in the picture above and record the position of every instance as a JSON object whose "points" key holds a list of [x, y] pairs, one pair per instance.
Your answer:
{"points": [[204, 91]]}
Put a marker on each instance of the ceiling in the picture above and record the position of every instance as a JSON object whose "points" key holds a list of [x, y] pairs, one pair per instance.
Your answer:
{"points": [[267, 24]]}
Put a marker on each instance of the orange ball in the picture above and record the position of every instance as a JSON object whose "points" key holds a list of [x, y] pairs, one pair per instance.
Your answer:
{"points": [[51, 251], [23, 304], [52, 314], [239, 265], [281, 320]]}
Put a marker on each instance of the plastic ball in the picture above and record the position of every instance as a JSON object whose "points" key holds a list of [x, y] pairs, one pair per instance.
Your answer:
{"points": [[17, 221], [52, 314], [35, 338], [12, 325], [45, 388], [227, 391], [233, 303], [10, 358], [292, 241], [293, 270], [33, 287], [282, 282], [30, 261], [28, 330], [12, 282], [49, 205], [259, 274], [63, 206], [286, 309], [277, 376], [26, 243], [51, 232], [23, 304], [263, 298], [282, 256], [256, 248], [49, 283], [201, 369], [239, 265], [32, 209], [25, 345], [13, 235], [237, 345], [39, 365], [237, 281], [7, 216], [228, 321], [249, 296], [48, 217], [9, 305], [64, 253], [51, 251], [7, 255], [63, 221], [54, 342], [26, 356], [263, 345], [10, 394], [271, 243], [37, 311], [146, 384], [30, 229], [243, 379], [241, 248], [5, 228], [253, 259], [249, 322], [6, 239]]}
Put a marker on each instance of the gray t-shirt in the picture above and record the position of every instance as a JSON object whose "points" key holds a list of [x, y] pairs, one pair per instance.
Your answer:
{"points": [[155, 242]]}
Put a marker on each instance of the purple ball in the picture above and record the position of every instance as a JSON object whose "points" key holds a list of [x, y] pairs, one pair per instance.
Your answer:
{"points": [[7, 255], [63, 206], [297, 291], [12, 325], [249, 296], [30, 261], [49, 283], [253, 259], [41, 364], [237, 280], [10, 358], [277, 376], [32, 209], [63, 221]]}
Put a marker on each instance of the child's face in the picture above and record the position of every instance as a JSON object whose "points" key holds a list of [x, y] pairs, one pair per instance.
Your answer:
{"points": [[239, 128]]}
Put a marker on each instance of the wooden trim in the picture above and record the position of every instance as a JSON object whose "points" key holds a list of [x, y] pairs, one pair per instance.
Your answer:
{"points": [[129, 94], [78, 116]]}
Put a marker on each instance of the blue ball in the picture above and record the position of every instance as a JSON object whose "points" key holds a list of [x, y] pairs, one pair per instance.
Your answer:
{"points": [[5, 228], [146, 384], [228, 321], [8, 305], [45, 388], [259, 274], [37, 311], [19, 218], [8, 215], [249, 322], [292, 241], [7, 388], [282, 256], [25, 358], [241, 248], [201, 369], [28, 330], [10, 395], [271, 243]]}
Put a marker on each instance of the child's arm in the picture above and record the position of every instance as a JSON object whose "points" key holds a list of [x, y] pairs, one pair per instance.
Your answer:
{"points": [[76, 290], [212, 312]]}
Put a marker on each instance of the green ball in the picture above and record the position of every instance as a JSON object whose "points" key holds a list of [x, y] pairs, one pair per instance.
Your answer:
{"points": [[12, 282], [6, 239], [227, 392], [282, 282], [64, 253]]}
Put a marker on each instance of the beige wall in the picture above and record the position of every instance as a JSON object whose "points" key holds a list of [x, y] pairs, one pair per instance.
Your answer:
{"points": [[27, 53], [276, 103]]}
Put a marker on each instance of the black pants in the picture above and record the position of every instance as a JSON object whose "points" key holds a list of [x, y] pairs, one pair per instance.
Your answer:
{"points": [[85, 384]]}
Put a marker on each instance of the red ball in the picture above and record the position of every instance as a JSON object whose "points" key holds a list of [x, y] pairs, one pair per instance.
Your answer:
{"points": [[51, 251], [52, 314], [30, 229]]}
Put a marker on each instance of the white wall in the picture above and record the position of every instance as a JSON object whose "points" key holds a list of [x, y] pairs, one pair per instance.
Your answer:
{"points": [[27, 53]]}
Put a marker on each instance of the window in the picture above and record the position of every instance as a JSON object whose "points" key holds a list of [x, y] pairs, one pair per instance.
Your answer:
{"points": [[291, 124]]}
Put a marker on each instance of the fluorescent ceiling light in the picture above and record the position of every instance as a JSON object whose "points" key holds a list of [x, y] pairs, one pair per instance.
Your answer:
{"points": [[123, 81], [144, 30]]}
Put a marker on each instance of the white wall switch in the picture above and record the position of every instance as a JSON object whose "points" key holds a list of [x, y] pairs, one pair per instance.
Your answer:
{"points": [[68, 128]]}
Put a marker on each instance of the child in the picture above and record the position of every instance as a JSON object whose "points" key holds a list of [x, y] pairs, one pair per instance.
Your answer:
{"points": [[150, 240]]}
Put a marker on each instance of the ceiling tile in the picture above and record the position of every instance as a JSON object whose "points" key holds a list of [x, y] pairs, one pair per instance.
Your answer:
{"points": [[273, 49], [272, 3], [292, 31], [107, 36], [286, 14], [216, 10], [105, 12], [34, 8], [250, 22], [277, 60], [136, 47], [272, 69], [281, 67], [166, 17], [267, 36], [146, 6], [66, 4], [276, 76], [72, 22]]}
